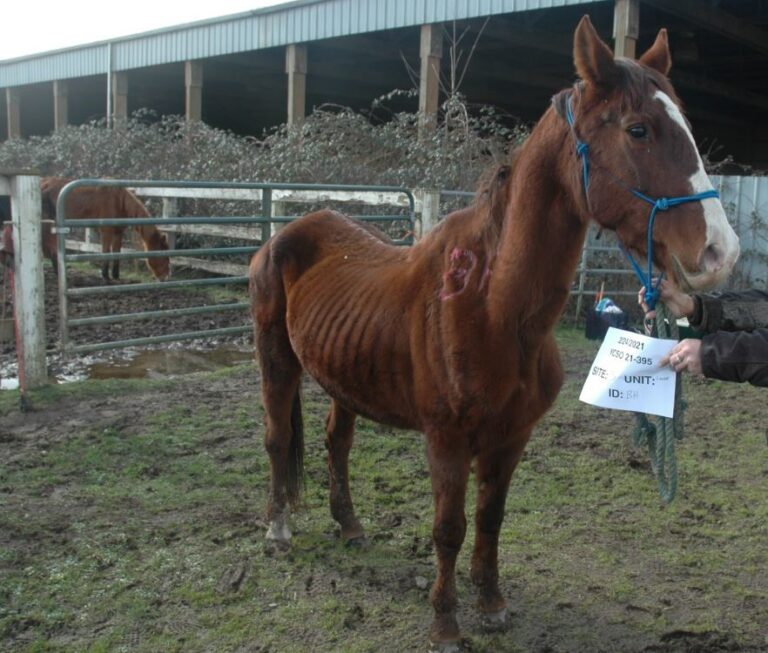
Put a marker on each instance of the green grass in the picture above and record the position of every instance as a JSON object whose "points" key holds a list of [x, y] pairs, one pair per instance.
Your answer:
{"points": [[141, 527]]}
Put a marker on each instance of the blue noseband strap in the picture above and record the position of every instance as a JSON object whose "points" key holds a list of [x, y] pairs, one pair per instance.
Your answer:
{"points": [[660, 204]]}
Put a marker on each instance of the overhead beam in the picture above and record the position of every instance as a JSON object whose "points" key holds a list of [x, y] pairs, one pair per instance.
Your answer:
{"points": [[716, 20], [712, 87]]}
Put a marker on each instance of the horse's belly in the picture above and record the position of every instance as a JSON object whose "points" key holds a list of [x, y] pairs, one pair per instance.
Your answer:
{"points": [[355, 345]]}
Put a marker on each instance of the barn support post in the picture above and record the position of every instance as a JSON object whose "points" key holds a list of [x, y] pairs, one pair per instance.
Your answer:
{"points": [[13, 106], [60, 104], [626, 27], [429, 199], [296, 67], [29, 283], [119, 98], [431, 52], [193, 90]]}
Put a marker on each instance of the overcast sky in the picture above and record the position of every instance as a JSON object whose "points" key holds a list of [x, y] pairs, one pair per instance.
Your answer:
{"points": [[31, 26]]}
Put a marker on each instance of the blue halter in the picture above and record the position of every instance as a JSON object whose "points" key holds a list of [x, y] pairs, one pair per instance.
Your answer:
{"points": [[662, 204]]}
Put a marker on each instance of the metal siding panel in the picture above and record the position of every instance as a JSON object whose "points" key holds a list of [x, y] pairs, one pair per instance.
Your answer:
{"points": [[262, 30]]}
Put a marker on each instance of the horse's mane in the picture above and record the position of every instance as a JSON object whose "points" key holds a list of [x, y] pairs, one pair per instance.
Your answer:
{"points": [[132, 205], [492, 196]]}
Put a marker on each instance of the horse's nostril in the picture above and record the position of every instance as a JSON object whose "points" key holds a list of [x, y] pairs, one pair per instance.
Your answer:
{"points": [[712, 259]]}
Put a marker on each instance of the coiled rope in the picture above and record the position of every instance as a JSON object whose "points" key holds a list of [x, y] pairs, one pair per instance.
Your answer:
{"points": [[658, 434]]}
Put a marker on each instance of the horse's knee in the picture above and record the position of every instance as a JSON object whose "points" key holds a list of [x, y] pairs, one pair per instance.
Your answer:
{"points": [[275, 445], [448, 534]]}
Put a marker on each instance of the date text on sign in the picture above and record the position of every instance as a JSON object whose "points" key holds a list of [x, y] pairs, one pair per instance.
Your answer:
{"points": [[626, 375]]}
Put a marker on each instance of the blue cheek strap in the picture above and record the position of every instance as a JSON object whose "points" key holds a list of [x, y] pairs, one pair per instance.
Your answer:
{"points": [[661, 204]]}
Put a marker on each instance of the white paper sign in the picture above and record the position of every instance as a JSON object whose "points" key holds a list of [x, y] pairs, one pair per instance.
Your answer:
{"points": [[626, 375]]}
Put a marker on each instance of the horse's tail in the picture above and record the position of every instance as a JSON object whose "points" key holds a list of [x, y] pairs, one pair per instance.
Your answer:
{"points": [[295, 478]]}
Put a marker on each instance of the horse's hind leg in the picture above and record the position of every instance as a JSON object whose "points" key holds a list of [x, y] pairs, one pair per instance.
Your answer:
{"points": [[117, 246], [106, 247], [340, 428], [283, 439]]}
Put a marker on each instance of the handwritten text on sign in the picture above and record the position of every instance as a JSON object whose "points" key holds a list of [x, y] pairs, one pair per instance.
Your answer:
{"points": [[626, 375]]}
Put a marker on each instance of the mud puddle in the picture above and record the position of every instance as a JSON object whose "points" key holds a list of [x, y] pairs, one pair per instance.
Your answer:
{"points": [[134, 364]]}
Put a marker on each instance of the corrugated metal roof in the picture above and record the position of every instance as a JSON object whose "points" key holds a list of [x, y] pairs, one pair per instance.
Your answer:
{"points": [[292, 22]]}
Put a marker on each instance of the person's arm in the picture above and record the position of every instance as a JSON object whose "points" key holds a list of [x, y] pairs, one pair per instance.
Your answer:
{"points": [[740, 356], [730, 311]]}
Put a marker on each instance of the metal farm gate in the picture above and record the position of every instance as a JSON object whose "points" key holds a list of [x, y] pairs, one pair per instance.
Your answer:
{"points": [[272, 198]]}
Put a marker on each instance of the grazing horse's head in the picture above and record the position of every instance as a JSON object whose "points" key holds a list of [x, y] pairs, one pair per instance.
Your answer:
{"points": [[155, 240], [637, 148]]}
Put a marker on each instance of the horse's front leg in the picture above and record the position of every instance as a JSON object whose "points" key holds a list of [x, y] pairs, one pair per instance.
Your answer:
{"points": [[449, 468], [340, 427], [493, 471]]}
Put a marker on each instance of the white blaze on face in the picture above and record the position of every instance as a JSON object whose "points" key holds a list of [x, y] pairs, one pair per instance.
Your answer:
{"points": [[722, 240]]}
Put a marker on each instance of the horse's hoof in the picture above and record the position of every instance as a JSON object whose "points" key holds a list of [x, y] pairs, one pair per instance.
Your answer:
{"points": [[454, 646], [272, 546], [359, 542], [495, 620]]}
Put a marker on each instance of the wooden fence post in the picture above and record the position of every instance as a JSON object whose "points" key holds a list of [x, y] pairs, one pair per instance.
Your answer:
{"points": [[430, 210], [29, 282]]}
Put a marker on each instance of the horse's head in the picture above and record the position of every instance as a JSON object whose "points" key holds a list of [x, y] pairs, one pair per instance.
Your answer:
{"points": [[160, 266], [638, 148]]}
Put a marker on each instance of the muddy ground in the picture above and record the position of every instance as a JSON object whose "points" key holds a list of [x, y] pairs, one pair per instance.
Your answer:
{"points": [[132, 520], [155, 299]]}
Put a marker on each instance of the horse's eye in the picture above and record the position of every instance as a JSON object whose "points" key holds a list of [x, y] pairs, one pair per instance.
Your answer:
{"points": [[638, 131]]}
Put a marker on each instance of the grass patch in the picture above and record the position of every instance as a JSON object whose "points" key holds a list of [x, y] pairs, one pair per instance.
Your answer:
{"points": [[132, 520]]}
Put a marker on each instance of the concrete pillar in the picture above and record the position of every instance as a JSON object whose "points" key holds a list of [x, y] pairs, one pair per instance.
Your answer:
{"points": [[626, 27], [296, 67], [60, 104], [29, 283], [13, 106], [119, 98], [193, 85], [431, 51]]}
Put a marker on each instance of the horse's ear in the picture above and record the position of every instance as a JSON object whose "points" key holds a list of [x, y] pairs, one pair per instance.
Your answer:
{"points": [[592, 57], [658, 56]]}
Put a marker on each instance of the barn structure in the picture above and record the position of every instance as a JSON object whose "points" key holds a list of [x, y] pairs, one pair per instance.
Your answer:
{"points": [[250, 71]]}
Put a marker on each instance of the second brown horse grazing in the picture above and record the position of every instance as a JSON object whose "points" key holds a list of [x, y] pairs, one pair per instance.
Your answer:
{"points": [[108, 202], [454, 336]]}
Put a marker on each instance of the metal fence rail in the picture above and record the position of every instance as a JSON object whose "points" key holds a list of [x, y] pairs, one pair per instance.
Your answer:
{"points": [[261, 192]]}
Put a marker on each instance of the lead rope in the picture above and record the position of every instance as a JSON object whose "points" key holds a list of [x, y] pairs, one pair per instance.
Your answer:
{"points": [[658, 434]]}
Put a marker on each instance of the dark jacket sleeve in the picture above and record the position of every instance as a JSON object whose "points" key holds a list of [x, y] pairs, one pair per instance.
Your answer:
{"points": [[736, 345], [736, 356], [730, 311]]}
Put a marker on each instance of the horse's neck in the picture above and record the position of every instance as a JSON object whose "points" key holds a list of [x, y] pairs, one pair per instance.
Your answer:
{"points": [[542, 235]]}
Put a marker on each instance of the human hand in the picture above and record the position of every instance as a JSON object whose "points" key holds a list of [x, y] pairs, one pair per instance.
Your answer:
{"points": [[680, 304], [685, 355]]}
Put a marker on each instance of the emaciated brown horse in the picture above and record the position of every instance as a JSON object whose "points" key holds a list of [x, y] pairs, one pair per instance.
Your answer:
{"points": [[454, 336], [108, 202]]}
